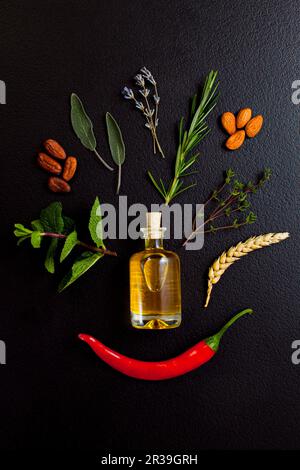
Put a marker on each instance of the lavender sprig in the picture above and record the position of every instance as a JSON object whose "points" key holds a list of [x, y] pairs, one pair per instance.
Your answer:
{"points": [[145, 81], [148, 76]]}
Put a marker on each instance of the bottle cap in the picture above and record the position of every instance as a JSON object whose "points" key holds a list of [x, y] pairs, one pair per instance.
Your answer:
{"points": [[153, 220], [153, 228]]}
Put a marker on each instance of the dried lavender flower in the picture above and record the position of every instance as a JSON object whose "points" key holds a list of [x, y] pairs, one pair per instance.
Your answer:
{"points": [[145, 92], [148, 75], [139, 105], [150, 114], [139, 79], [128, 93]]}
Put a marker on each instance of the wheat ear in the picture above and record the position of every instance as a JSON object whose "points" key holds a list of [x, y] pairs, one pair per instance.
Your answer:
{"points": [[234, 253]]}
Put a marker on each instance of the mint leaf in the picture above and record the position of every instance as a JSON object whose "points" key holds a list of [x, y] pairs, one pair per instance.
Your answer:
{"points": [[95, 225], [51, 218], [22, 239], [70, 242], [36, 239], [37, 225], [69, 224], [21, 227], [49, 261], [21, 230], [85, 261]]}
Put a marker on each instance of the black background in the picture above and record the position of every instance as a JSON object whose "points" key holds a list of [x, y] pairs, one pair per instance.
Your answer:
{"points": [[55, 393]]}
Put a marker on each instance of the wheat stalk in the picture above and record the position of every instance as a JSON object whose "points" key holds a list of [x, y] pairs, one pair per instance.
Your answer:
{"points": [[234, 253]]}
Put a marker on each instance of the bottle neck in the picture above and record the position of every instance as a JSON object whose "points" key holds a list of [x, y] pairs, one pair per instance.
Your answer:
{"points": [[153, 243]]}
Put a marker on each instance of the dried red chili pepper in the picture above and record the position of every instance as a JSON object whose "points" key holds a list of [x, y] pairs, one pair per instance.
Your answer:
{"points": [[185, 362]]}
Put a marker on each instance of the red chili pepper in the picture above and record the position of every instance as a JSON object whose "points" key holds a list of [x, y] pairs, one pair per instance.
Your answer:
{"points": [[185, 362]]}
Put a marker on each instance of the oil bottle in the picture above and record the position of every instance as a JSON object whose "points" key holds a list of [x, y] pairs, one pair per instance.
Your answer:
{"points": [[155, 292]]}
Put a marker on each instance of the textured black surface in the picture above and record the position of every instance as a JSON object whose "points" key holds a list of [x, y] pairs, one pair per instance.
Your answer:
{"points": [[54, 392]]}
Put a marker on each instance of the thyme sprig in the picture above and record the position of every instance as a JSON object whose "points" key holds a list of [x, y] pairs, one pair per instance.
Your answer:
{"points": [[144, 81], [231, 197], [189, 138]]}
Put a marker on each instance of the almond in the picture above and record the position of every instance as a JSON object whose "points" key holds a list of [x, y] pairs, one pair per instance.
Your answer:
{"points": [[235, 140], [69, 168], [254, 126], [58, 185], [49, 164], [228, 122], [55, 149], [244, 115]]}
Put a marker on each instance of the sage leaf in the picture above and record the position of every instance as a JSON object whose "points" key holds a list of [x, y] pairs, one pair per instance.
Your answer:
{"points": [[49, 261], [115, 140], [36, 239], [70, 243], [116, 145], [95, 225], [85, 261], [37, 225], [82, 125], [51, 218]]}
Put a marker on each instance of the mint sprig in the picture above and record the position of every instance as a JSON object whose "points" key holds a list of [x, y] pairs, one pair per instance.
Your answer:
{"points": [[57, 227]]}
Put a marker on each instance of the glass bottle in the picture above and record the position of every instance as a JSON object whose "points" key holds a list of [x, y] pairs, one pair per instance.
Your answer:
{"points": [[155, 292]]}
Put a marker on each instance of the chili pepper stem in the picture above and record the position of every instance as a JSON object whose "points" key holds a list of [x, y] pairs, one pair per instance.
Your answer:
{"points": [[214, 341]]}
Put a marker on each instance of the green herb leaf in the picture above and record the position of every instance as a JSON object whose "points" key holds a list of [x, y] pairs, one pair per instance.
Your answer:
{"points": [[36, 239], [37, 225], [229, 175], [69, 224], [51, 218], [82, 125], [22, 239], [115, 140], [49, 261], [251, 218], [116, 144], [95, 226], [85, 261], [157, 186], [193, 105], [21, 230], [70, 243]]}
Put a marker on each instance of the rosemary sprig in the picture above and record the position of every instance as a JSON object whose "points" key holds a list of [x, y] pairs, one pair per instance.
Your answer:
{"points": [[234, 200], [189, 138], [150, 113]]}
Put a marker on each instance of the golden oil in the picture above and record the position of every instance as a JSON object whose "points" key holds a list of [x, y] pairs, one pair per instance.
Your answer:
{"points": [[155, 292]]}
